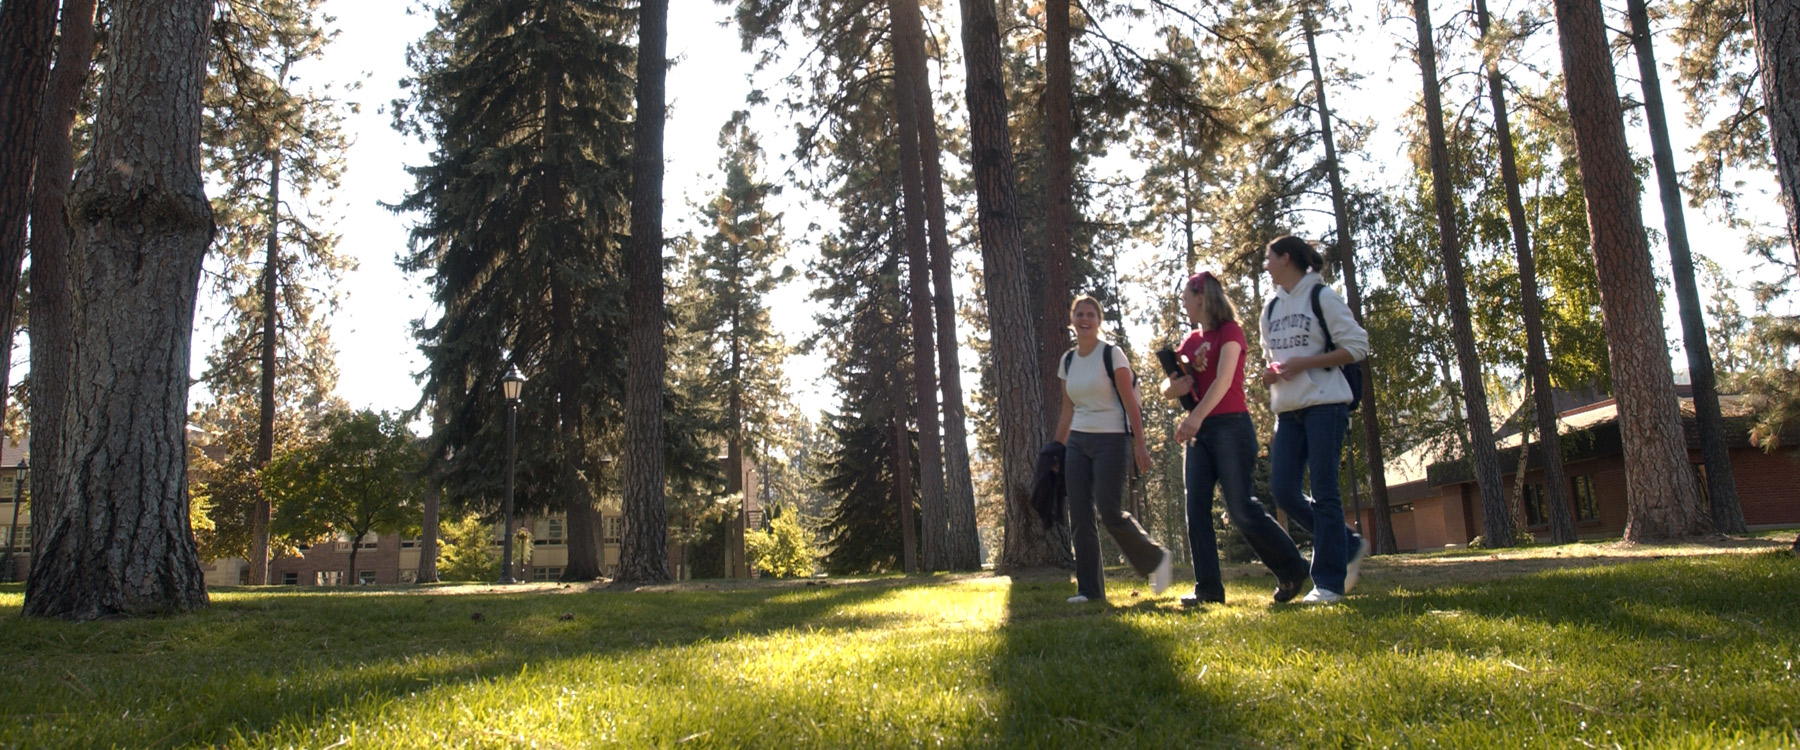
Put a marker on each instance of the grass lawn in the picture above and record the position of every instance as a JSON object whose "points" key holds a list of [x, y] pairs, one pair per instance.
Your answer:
{"points": [[1584, 645]]}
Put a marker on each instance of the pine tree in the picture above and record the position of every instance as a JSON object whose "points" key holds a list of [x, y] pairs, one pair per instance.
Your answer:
{"points": [[643, 554], [1496, 527], [264, 134], [27, 48], [118, 541], [50, 308], [734, 272], [521, 216], [1660, 496]]}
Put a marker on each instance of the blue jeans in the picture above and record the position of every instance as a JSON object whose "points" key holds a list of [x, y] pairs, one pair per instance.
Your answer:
{"points": [[1312, 439], [1224, 453]]}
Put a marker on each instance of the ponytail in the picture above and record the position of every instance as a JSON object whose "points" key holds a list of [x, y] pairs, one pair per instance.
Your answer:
{"points": [[1299, 252]]}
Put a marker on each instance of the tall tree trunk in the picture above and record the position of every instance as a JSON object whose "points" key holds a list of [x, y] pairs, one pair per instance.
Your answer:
{"points": [[1018, 391], [27, 47], [1721, 483], [1521, 524], [1496, 524], [932, 511], [1537, 361], [1059, 210], [903, 465], [1777, 25], [51, 338], [119, 542], [644, 549], [962, 542], [265, 422], [1346, 252], [434, 492], [1660, 498]]}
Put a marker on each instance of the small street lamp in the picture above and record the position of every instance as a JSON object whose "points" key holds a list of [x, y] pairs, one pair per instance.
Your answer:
{"points": [[12, 532], [510, 386]]}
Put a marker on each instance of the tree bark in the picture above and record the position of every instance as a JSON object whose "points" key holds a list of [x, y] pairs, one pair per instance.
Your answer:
{"points": [[119, 542], [1346, 252], [962, 542], [1660, 498], [265, 422], [1017, 387], [51, 310], [1537, 360], [1777, 25], [27, 46], [434, 492], [1721, 483], [934, 522], [903, 464], [1496, 523], [644, 550], [1059, 210]]}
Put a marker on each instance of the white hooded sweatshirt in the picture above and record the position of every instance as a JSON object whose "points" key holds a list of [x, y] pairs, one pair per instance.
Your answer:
{"points": [[1289, 330]]}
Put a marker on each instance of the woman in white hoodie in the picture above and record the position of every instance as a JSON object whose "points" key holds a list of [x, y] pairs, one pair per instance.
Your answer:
{"points": [[1311, 400]]}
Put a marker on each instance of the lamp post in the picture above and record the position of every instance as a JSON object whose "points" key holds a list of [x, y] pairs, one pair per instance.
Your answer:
{"points": [[12, 532], [510, 387]]}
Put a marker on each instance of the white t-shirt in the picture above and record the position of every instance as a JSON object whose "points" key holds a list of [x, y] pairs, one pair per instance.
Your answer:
{"points": [[1097, 407]]}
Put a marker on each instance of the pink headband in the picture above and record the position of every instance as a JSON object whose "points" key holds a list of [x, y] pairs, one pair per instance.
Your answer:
{"points": [[1197, 281]]}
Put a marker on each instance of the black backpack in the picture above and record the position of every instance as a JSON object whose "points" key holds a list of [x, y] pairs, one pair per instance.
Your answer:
{"points": [[1106, 361], [1353, 374]]}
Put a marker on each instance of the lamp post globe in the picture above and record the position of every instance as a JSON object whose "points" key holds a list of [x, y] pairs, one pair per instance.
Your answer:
{"points": [[510, 386]]}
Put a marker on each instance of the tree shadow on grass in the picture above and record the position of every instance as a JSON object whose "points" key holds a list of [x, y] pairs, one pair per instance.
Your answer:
{"points": [[252, 663], [1101, 674]]}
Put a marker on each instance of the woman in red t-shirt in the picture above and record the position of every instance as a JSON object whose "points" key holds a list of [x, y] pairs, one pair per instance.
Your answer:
{"points": [[1221, 446]]}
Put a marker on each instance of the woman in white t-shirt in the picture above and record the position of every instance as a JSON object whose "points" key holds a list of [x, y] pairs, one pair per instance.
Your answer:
{"points": [[1102, 431]]}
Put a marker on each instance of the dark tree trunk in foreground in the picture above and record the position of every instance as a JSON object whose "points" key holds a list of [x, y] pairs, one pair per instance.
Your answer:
{"points": [[119, 540], [1059, 210], [51, 342], [27, 34], [1346, 253], [1660, 498], [902, 484], [933, 522], [1537, 362], [1018, 392], [265, 421], [1496, 526], [1721, 484], [644, 550], [1777, 24], [962, 542]]}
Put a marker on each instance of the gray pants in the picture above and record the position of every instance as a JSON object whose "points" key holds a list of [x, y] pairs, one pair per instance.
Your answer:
{"points": [[1095, 465]]}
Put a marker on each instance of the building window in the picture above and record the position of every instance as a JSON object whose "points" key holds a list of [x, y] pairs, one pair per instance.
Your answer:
{"points": [[303, 547], [7, 483], [546, 574], [1581, 491], [555, 532], [370, 540], [410, 543], [331, 577], [365, 577], [290, 579], [244, 576], [1535, 512], [615, 529]]}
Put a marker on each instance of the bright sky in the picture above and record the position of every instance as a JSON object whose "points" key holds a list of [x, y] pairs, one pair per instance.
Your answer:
{"points": [[377, 354]]}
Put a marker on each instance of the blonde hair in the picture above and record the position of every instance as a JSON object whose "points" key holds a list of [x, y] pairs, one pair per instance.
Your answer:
{"points": [[1215, 306], [1086, 300]]}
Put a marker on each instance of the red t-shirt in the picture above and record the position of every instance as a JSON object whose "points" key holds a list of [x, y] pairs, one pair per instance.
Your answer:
{"points": [[1199, 353]]}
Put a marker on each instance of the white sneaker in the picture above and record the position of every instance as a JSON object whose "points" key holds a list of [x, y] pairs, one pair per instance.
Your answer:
{"points": [[1353, 570], [1163, 575], [1321, 596], [1078, 599]]}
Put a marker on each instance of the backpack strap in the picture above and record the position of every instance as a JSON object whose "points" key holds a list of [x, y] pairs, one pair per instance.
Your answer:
{"points": [[1319, 313], [1106, 360]]}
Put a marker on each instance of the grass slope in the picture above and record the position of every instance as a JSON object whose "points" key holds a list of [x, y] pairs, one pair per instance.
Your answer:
{"points": [[1586, 645]]}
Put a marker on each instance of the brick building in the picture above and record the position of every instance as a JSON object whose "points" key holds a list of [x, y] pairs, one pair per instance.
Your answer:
{"points": [[1434, 502]]}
